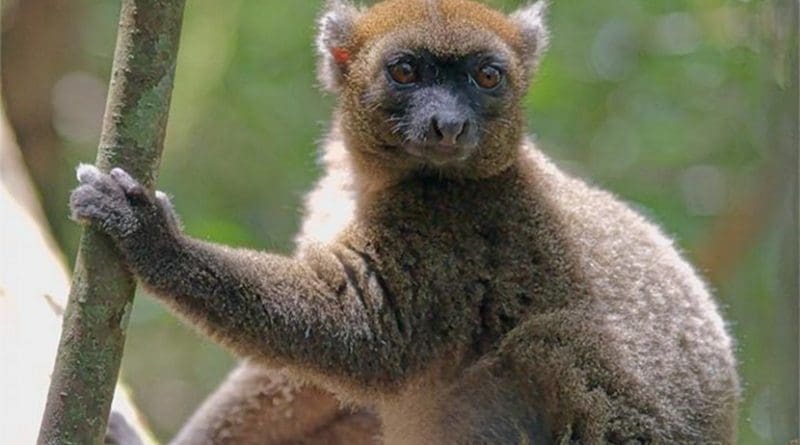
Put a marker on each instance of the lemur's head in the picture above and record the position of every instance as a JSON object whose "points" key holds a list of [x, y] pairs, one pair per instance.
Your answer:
{"points": [[431, 83]]}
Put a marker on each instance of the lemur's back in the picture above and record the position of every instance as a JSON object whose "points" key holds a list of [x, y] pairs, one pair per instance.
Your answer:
{"points": [[574, 316]]}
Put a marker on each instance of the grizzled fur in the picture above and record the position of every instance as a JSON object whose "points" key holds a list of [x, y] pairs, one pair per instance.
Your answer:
{"points": [[492, 299]]}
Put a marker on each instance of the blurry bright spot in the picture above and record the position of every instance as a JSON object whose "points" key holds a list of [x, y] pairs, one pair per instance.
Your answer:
{"points": [[613, 53], [704, 189], [615, 146], [676, 34], [78, 102]]}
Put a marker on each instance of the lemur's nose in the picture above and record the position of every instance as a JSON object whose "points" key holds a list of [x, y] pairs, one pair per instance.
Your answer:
{"points": [[448, 128]]}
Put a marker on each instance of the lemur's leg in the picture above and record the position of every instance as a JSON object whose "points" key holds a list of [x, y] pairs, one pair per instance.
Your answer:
{"points": [[260, 406]]}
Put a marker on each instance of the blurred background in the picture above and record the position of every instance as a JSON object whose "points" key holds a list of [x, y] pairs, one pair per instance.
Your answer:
{"points": [[687, 109]]}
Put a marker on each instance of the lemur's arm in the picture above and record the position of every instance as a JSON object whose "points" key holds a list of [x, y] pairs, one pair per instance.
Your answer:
{"points": [[325, 314]]}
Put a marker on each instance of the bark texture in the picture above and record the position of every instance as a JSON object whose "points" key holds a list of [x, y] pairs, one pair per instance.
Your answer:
{"points": [[102, 291]]}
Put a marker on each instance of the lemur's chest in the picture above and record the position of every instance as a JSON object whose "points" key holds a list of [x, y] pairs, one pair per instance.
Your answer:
{"points": [[470, 242], [473, 231]]}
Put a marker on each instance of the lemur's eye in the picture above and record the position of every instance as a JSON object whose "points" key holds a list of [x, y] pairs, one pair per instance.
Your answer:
{"points": [[403, 72], [487, 76]]}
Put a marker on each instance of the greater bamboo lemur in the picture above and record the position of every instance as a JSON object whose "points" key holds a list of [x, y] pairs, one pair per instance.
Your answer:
{"points": [[448, 277]]}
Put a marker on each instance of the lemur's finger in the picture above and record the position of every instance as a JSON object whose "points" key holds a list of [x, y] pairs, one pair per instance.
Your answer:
{"points": [[130, 186], [163, 199], [88, 173], [169, 211], [88, 203], [91, 176]]}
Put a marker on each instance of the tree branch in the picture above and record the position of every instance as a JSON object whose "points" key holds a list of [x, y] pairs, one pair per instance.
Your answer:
{"points": [[101, 297]]}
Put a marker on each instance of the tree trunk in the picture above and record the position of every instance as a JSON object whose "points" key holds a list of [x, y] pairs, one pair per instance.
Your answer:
{"points": [[101, 297], [33, 292]]}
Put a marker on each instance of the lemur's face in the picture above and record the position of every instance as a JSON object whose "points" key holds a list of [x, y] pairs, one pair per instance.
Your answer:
{"points": [[439, 85], [439, 109]]}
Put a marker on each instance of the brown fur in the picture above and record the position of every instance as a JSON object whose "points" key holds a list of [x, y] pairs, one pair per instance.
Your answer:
{"points": [[433, 16], [448, 27], [495, 300]]}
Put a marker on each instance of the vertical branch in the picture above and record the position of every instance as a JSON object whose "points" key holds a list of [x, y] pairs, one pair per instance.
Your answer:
{"points": [[101, 297]]}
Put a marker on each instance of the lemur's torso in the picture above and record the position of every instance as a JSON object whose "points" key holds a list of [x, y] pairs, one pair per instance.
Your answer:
{"points": [[555, 292]]}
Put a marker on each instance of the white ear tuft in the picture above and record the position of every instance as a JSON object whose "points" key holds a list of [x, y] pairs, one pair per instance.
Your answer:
{"points": [[531, 22], [335, 28]]}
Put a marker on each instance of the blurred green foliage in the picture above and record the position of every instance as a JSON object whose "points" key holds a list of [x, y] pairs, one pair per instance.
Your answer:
{"points": [[678, 106]]}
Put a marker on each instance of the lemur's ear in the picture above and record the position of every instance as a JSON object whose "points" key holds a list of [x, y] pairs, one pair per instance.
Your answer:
{"points": [[531, 22], [335, 28]]}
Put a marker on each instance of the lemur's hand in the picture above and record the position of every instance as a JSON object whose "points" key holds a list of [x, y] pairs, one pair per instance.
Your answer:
{"points": [[118, 205]]}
